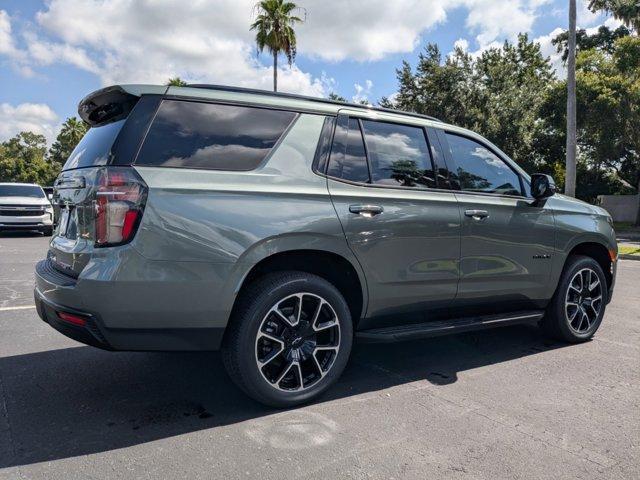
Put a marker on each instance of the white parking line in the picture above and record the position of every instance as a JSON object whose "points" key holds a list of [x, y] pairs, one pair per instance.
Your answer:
{"points": [[22, 307]]}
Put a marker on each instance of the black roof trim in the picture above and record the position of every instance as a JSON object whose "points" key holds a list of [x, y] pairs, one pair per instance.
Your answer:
{"points": [[226, 88]]}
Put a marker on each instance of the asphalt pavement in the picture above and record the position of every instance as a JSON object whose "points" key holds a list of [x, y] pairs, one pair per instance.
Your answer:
{"points": [[504, 403]]}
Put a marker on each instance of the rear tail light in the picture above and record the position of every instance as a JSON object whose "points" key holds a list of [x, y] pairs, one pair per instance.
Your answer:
{"points": [[120, 200]]}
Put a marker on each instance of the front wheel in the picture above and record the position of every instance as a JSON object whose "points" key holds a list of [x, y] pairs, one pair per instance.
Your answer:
{"points": [[578, 306], [289, 339]]}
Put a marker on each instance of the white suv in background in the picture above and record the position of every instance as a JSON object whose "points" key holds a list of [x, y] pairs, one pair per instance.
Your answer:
{"points": [[24, 206]]}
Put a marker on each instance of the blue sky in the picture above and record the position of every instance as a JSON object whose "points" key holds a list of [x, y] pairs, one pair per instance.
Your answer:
{"points": [[54, 52]]}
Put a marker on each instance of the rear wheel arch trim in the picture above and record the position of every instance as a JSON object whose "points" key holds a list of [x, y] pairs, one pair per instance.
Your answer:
{"points": [[253, 267]]}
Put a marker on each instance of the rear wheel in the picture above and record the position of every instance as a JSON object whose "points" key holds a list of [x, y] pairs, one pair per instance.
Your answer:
{"points": [[289, 339], [578, 306]]}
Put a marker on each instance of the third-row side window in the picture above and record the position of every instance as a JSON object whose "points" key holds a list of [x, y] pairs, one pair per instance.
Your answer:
{"points": [[212, 136]]}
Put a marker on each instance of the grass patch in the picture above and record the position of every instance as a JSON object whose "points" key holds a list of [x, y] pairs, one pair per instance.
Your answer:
{"points": [[628, 250]]}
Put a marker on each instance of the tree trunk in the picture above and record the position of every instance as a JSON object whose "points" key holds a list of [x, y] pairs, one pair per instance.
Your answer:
{"points": [[638, 205], [570, 177], [275, 72]]}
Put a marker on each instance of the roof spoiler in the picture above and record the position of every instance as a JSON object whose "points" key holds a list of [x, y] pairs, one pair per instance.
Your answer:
{"points": [[114, 103]]}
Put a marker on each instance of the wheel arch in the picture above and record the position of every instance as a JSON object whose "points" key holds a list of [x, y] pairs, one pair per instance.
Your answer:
{"points": [[342, 272], [600, 252]]}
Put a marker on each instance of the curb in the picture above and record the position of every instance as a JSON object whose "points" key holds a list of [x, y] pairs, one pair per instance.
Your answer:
{"points": [[629, 257]]}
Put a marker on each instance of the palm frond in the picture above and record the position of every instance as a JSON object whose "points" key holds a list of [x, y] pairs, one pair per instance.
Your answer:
{"points": [[273, 25]]}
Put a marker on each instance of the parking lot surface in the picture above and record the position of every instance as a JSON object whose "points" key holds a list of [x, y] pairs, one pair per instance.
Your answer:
{"points": [[503, 403]]}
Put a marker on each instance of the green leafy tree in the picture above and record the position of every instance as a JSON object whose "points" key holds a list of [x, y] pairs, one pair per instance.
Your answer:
{"points": [[604, 39], [336, 98], [608, 108], [22, 159], [405, 172], [274, 26], [176, 82], [497, 94], [628, 11], [73, 129]]}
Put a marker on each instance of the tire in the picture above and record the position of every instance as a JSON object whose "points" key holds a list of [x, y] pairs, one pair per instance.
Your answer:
{"points": [[575, 316], [261, 330], [47, 231]]}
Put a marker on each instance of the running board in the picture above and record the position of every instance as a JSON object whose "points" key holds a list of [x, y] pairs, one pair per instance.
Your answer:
{"points": [[433, 329]]}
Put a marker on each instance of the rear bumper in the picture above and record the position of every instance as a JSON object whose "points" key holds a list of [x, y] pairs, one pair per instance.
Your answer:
{"points": [[104, 328], [89, 334]]}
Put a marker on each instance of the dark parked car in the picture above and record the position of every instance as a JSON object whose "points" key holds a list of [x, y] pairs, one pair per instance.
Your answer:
{"points": [[279, 228]]}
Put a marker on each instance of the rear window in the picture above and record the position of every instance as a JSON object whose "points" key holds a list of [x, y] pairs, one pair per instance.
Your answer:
{"points": [[95, 147], [32, 191], [398, 154], [212, 136]]}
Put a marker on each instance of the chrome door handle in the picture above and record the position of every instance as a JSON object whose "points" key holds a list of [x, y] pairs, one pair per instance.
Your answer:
{"points": [[366, 210], [477, 214]]}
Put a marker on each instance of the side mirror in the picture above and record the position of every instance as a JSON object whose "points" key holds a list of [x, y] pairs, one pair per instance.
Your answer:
{"points": [[50, 196], [542, 186]]}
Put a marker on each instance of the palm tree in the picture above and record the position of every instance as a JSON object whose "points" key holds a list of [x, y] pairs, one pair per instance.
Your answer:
{"points": [[570, 178], [274, 31]]}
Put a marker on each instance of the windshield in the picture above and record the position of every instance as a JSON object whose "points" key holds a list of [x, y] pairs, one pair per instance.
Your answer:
{"points": [[32, 191], [95, 146]]}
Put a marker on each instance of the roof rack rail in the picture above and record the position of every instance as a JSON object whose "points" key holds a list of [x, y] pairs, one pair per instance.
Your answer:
{"points": [[227, 88]]}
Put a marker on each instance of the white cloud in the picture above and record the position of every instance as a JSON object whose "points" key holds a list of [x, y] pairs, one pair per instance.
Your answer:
{"points": [[46, 53], [585, 17], [367, 30], [496, 20], [7, 44], [32, 117], [128, 40], [461, 43], [371, 30], [362, 92], [6, 40]]}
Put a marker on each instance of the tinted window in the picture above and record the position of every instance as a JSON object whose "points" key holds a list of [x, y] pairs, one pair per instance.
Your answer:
{"points": [[95, 146], [477, 169], [348, 159], [204, 135], [21, 191], [439, 162], [323, 149], [398, 155]]}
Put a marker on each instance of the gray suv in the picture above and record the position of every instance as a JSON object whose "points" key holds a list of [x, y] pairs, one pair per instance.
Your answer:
{"points": [[280, 228]]}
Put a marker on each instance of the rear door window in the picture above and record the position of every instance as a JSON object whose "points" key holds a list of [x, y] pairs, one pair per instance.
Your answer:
{"points": [[398, 154], [212, 136]]}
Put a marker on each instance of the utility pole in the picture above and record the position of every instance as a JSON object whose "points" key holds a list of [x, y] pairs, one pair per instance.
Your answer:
{"points": [[570, 175]]}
